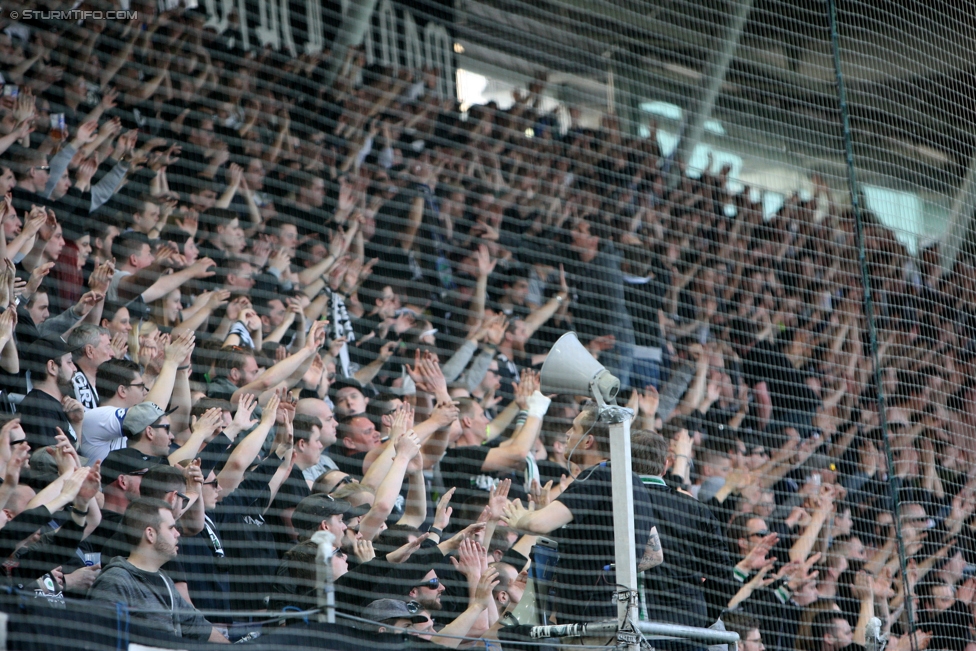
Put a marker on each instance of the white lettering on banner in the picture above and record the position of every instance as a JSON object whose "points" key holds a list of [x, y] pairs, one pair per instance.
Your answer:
{"points": [[287, 38], [218, 19], [267, 29], [388, 35], [313, 21], [413, 55], [399, 41], [438, 48]]}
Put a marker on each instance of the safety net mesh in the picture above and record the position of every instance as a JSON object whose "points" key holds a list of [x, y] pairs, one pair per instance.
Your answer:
{"points": [[306, 308]]}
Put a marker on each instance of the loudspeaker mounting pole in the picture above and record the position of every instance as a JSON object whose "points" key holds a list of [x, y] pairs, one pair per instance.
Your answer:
{"points": [[625, 555]]}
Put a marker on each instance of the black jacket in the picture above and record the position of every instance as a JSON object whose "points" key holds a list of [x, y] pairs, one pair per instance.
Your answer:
{"points": [[694, 548]]}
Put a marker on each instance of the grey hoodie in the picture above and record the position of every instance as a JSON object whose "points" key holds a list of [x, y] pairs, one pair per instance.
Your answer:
{"points": [[122, 582]]}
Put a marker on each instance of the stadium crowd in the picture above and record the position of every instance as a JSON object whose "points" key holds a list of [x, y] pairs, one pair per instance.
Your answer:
{"points": [[244, 303]]}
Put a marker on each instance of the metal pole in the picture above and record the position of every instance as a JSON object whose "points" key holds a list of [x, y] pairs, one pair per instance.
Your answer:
{"points": [[625, 556], [350, 34], [711, 636], [712, 82], [651, 629], [325, 590], [960, 216]]}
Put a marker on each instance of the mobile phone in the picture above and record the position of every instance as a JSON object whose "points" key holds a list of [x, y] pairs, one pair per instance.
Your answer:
{"points": [[11, 90]]}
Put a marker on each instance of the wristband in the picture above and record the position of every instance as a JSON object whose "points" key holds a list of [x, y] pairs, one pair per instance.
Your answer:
{"points": [[739, 575], [76, 510], [538, 404], [783, 593], [182, 368], [434, 530]]}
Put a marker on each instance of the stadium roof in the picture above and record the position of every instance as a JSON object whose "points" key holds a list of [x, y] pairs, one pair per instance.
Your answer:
{"points": [[908, 69]]}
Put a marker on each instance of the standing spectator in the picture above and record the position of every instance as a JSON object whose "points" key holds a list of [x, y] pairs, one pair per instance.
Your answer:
{"points": [[49, 406], [692, 540], [581, 522], [601, 311]]}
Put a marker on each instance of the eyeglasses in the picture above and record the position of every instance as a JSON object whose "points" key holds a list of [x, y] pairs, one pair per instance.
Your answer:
{"points": [[138, 385], [345, 480], [431, 584], [165, 427], [414, 607], [43, 168]]}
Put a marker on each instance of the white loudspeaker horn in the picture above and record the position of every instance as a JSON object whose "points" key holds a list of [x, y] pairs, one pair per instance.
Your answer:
{"points": [[571, 370]]}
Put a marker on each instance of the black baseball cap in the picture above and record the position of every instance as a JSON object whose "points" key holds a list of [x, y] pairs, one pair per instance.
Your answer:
{"points": [[47, 348], [127, 461], [312, 510]]}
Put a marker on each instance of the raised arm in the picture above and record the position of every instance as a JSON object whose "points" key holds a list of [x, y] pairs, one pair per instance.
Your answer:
{"points": [[512, 456], [176, 351], [536, 320], [547, 519], [202, 268], [243, 455], [202, 430], [286, 367], [804, 544], [415, 509], [407, 447]]}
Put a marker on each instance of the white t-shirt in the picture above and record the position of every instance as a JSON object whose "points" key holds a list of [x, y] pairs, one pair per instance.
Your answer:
{"points": [[102, 433]]}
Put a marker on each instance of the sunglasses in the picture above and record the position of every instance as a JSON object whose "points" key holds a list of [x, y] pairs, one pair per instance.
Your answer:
{"points": [[165, 427], [761, 534], [43, 168], [414, 607], [186, 500], [18, 442], [210, 483], [432, 584]]}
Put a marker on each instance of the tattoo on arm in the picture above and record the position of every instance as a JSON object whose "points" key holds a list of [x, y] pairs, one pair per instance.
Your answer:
{"points": [[653, 554]]}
